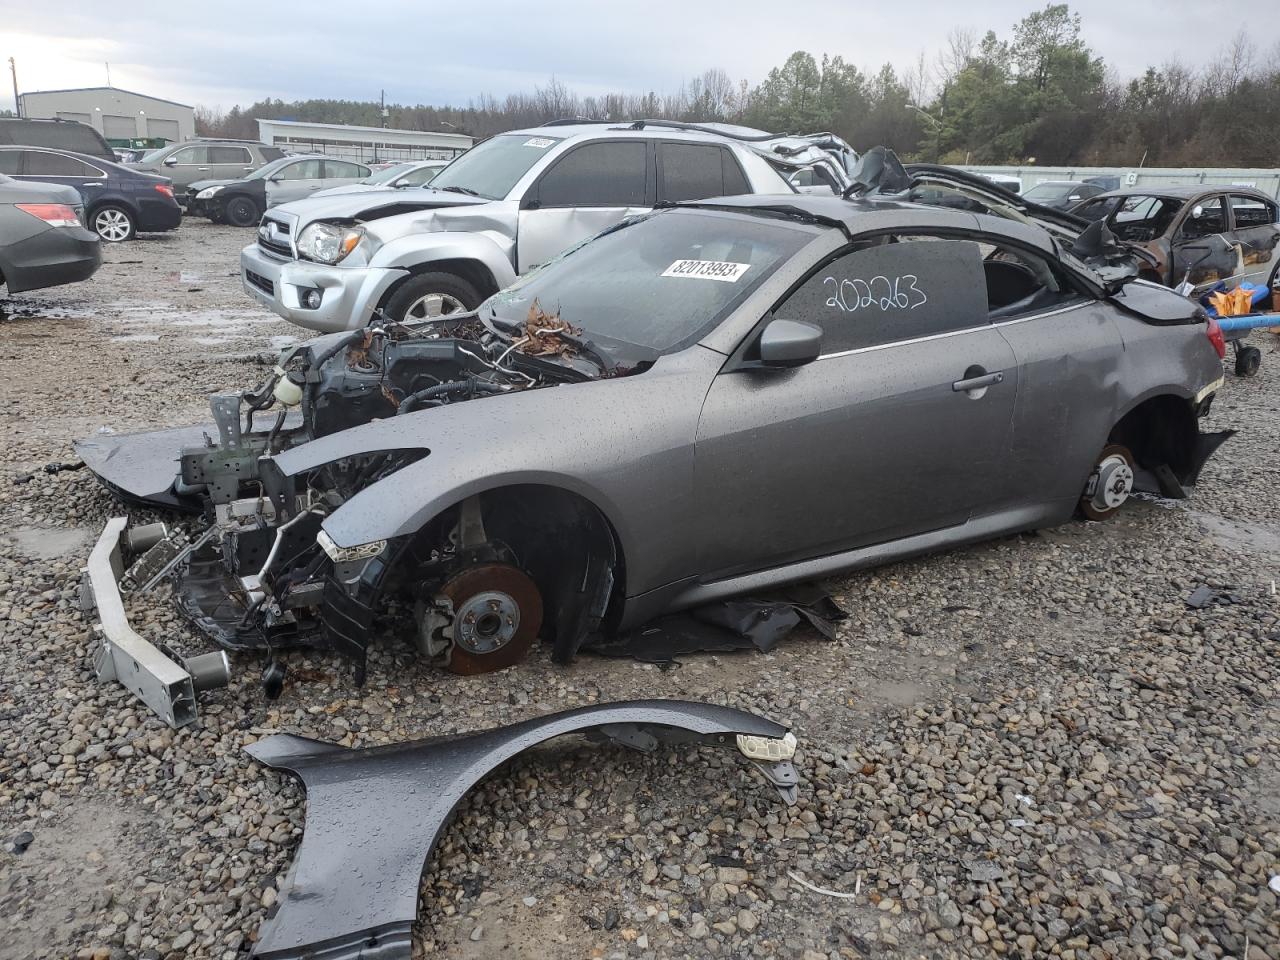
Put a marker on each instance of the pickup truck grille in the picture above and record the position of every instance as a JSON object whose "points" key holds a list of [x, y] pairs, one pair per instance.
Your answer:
{"points": [[273, 237]]}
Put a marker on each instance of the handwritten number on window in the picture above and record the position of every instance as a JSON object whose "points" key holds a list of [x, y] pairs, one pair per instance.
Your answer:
{"points": [[880, 293]]}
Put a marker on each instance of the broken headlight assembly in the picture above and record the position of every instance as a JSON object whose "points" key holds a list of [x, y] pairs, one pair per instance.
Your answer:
{"points": [[328, 242], [363, 551], [208, 193]]}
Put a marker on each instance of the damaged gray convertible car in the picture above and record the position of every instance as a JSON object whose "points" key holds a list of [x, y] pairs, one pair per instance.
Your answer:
{"points": [[704, 401]]}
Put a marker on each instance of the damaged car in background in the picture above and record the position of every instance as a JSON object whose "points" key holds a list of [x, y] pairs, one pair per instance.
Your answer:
{"points": [[702, 402]]}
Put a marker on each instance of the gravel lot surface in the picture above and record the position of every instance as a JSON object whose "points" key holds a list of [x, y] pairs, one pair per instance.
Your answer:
{"points": [[1028, 748]]}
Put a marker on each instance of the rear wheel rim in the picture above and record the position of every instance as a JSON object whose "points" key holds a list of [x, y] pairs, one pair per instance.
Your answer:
{"points": [[434, 305], [112, 225]]}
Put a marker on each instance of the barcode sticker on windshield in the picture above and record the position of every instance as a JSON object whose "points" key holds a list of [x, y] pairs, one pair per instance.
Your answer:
{"points": [[721, 270], [540, 142]]}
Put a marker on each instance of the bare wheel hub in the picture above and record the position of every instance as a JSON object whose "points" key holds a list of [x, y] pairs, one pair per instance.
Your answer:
{"points": [[434, 305], [1110, 484], [497, 610]]}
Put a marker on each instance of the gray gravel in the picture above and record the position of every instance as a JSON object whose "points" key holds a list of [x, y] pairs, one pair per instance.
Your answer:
{"points": [[1028, 748]]}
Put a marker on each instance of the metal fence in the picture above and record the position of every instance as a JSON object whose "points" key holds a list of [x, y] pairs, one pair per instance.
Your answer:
{"points": [[1268, 181]]}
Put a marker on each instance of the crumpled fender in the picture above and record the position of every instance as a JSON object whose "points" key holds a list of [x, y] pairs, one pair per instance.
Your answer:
{"points": [[374, 815], [490, 248]]}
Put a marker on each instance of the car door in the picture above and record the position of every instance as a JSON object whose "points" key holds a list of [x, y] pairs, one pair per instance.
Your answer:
{"points": [[184, 167], [294, 181], [1201, 251], [1255, 230], [900, 427], [229, 162], [341, 173], [589, 187]]}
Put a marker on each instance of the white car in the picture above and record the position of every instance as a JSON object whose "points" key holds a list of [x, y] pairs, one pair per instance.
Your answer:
{"points": [[411, 173]]}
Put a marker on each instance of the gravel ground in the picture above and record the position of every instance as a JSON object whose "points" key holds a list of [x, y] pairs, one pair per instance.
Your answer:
{"points": [[1029, 748]]}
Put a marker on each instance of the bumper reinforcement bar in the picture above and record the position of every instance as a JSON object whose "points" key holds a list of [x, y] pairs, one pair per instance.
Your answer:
{"points": [[156, 676]]}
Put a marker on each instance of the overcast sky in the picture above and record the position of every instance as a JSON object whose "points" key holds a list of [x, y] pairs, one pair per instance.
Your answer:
{"points": [[224, 53]]}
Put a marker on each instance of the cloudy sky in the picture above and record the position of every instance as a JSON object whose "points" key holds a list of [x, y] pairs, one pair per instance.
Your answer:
{"points": [[223, 53]]}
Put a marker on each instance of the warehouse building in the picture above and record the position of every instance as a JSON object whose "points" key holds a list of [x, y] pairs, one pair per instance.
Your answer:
{"points": [[119, 115], [361, 144]]}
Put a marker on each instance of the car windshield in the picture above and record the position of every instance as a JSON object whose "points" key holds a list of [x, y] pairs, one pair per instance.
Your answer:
{"points": [[492, 168], [387, 175], [1049, 191], [270, 169], [151, 156], [658, 283]]}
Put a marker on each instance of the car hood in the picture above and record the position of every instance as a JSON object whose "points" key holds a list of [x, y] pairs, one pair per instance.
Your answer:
{"points": [[365, 205], [365, 188], [205, 184]]}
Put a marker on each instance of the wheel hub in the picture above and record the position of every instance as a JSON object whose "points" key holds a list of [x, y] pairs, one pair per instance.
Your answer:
{"points": [[434, 305], [486, 622], [1114, 483]]}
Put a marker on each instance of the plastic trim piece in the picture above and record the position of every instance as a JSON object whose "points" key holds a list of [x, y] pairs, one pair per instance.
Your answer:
{"points": [[374, 815]]}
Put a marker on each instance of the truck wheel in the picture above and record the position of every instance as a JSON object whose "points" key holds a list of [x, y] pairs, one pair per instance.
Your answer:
{"points": [[492, 612], [431, 295], [1248, 360], [1110, 483], [112, 223], [241, 212]]}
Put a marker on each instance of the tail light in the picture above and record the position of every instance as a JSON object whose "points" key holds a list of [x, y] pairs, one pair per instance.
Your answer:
{"points": [[54, 214], [165, 189], [1214, 332]]}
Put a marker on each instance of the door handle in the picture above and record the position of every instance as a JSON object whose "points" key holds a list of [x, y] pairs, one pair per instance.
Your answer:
{"points": [[203, 169], [978, 382]]}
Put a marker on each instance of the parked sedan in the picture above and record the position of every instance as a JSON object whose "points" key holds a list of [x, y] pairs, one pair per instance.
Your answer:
{"points": [[241, 203], [43, 242], [398, 176], [708, 400], [119, 201], [1198, 235], [1061, 194]]}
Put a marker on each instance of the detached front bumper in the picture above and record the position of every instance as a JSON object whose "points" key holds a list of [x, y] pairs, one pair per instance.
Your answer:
{"points": [[348, 295], [155, 676]]}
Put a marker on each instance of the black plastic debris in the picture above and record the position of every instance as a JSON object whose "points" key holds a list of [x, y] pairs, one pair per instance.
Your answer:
{"points": [[743, 623], [1206, 596], [21, 841]]}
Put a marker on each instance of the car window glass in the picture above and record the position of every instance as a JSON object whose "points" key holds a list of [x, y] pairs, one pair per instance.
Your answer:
{"points": [[341, 169], [892, 289], [229, 155], [1251, 212], [1143, 218], [191, 155], [44, 164], [302, 170], [658, 282], [1021, 283], [735, 181], [1212, 219], [271, 153], [691, 171], [610, 174], [10, 160], [418, 177]]}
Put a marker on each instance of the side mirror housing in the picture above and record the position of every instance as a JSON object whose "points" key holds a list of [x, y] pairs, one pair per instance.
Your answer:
{"points": [[1197, 212], [789, 343], [170, 161], [275, 179]]}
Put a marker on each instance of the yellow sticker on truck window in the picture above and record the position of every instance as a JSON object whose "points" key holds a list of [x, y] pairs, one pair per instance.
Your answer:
{"points": [[722, 270]]}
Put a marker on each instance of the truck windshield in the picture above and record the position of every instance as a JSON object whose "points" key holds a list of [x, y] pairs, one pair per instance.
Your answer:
{"points": [[492, 168], [658, 283]]}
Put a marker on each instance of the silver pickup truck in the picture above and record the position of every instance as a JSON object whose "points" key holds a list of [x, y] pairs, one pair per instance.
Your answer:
{"points": [[508, 204]]}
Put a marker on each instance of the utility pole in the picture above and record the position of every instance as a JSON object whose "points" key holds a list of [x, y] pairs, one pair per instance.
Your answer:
{"points": [[17, 104], [384, 110], [108, 66]]}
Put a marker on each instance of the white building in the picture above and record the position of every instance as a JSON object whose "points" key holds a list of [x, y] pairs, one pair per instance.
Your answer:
{"points": [[362, 144], [116, 114]]}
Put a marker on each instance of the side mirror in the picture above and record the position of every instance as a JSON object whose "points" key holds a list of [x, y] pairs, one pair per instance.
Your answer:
{"points": [[1073, 198], [276, 178], [1197, 212], [789, 343], [170, 161]]}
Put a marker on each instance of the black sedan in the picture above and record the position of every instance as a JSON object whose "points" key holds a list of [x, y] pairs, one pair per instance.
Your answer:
{"points": [[119, 202]]}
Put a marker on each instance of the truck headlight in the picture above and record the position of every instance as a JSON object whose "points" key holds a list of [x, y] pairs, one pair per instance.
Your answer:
{"points": [[208, 192], [328, 242]]}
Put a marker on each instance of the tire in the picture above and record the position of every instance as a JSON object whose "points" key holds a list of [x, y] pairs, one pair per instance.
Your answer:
{"points": [[241, 212], [1248, 361], [216, 216], [113, 223], [1110, 483], [419, 296]]}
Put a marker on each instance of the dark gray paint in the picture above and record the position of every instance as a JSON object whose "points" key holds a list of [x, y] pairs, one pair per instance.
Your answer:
{"points": [[374, 815]]}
